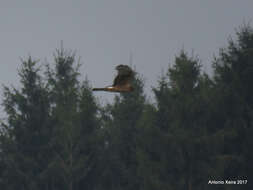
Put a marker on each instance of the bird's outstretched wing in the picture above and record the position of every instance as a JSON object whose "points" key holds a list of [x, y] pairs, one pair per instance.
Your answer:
{"points": [[121, 82], [125, 74]]}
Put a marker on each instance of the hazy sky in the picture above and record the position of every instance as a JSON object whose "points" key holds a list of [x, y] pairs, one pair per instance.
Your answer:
{"points": [[104, 32]]}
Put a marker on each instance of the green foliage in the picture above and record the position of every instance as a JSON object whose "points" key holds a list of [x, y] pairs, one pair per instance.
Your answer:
{"points": [[233, 77], [24, 143], [49, 140], [121, 134], [178, 151], [56, 136]]}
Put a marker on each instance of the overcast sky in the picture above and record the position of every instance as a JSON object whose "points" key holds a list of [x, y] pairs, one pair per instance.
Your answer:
{"points": [[104, 32]]}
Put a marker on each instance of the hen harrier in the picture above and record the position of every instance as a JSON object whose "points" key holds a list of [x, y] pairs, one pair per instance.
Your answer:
{"points": [[121, 82]]}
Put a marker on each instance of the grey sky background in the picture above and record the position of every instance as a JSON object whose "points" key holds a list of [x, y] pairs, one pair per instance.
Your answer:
{"points": [[104, 32]]}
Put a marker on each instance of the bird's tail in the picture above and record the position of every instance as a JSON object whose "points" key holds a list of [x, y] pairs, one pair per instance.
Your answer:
{"points": [[108, 88], [99, 89]]}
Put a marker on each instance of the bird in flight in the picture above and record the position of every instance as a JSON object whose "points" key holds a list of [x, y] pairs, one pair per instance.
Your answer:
{"points": [[121, 82]]}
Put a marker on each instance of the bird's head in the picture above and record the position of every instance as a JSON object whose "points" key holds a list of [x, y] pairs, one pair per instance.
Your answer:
{"points": [[122, 67]]}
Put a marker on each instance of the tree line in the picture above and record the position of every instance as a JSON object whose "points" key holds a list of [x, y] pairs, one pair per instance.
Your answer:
{"points": [[58, 137]]}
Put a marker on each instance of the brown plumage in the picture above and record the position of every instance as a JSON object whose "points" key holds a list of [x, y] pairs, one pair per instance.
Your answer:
{"points": [[121, 82]]}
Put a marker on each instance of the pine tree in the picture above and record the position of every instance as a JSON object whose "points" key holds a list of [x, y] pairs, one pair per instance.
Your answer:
{"points": [[120, 134], [50, 138], [24, 140], [74, 124], [233, 78], [181, 160]]}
